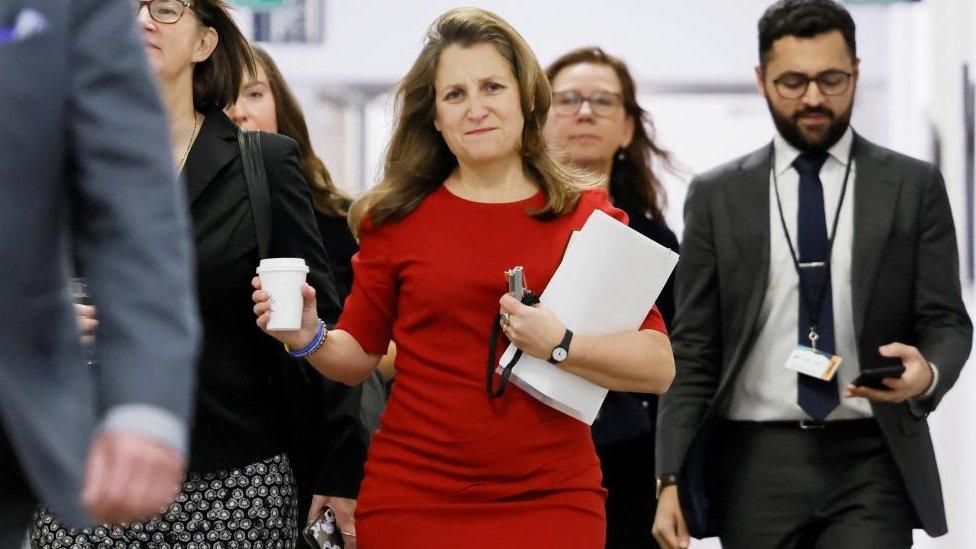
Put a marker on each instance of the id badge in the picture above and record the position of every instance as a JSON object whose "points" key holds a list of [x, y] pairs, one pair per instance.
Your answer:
{"points": [[814, 363]]}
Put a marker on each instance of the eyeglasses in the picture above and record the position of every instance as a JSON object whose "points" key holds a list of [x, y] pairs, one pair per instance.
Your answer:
{"points": [[166, 12], [793, 85], [602, 103]]}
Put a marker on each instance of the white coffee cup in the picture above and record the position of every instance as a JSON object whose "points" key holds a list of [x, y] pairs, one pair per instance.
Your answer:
{"points": [[283, 278]]}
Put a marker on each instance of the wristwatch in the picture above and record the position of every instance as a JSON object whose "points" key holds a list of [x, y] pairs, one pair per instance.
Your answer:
{"points": [[668, 479], [561, 351]]}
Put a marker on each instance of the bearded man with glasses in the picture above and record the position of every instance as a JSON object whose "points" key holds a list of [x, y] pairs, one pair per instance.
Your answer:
{"points": [[805, 263]]}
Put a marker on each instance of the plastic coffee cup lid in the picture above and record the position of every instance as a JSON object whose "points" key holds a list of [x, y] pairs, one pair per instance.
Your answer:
{"points": [[282, 264]]}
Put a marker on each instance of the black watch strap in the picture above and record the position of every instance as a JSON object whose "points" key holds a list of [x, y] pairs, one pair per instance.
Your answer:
{"points": [[561, 351], [667, 479]]}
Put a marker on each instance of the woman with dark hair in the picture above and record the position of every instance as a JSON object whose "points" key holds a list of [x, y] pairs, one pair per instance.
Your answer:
{"points": [[470, 189], [245, 463], [596, 124], [266, 103]]}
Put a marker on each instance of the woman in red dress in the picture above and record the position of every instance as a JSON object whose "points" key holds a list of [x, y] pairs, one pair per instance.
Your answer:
{"points": [[470, 190]]}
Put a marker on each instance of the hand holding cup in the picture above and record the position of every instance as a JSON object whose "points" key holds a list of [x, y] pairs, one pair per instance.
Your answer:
{"points": [[295, 339], [283, 278]]}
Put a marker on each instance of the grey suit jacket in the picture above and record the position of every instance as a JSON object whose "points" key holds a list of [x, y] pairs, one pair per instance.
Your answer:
{"points": [[905, 287], [86, 180]]}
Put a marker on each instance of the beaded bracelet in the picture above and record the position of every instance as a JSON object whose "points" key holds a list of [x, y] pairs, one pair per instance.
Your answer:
{"points": [[313, 345]]}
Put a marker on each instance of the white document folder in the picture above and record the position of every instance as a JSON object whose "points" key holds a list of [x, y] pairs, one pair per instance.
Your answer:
{"points": [[608, 280]]}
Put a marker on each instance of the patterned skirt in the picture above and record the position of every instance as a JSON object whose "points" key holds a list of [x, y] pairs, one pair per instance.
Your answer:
{"points": [[254, 507]]}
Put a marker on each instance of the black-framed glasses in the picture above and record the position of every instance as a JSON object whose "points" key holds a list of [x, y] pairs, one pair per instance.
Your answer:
{"points": [[602, 103], [166, 12], [793, 85]]}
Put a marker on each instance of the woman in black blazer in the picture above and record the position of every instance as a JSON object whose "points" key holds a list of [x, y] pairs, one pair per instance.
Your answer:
{"points": [[266, 103], [596, 122], [244, 454]]}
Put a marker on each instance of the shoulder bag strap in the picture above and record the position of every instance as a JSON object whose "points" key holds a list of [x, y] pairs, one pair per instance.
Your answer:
{"points": [[258, 191]]}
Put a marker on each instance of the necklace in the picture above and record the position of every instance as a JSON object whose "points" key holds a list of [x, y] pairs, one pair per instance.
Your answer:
{"points": [[189, 144]]}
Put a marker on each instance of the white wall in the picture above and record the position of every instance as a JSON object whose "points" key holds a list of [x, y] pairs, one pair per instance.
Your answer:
{"points": [[690, 41], [668, 45], [946, 41]]}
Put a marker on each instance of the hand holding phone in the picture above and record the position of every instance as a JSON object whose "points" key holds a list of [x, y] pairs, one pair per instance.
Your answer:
{"points": [[872, 377], [910, 376], [324, 532]]}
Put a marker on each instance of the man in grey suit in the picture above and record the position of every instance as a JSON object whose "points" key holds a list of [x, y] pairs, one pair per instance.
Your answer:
{"points": [[820, 245], [87, 183]]}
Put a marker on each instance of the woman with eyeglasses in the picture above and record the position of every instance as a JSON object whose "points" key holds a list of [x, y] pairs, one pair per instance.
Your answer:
{"points": [[241, 486], [596, 124], [469, 190]]}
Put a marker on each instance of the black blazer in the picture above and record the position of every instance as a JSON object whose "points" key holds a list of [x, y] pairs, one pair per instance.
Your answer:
{"points": [[248, 393], [626, 416], [904, 287], [340, 245]]}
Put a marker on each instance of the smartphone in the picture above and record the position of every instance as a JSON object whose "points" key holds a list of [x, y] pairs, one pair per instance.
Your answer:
{"points": [[516, 282], [323, 532], [872, 376]]}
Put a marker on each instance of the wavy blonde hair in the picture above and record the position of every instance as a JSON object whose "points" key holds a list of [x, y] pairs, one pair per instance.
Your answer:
{"points": [[417, 158]]}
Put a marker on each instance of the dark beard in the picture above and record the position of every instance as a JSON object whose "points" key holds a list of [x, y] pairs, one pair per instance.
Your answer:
{"points": [[787, 127]]}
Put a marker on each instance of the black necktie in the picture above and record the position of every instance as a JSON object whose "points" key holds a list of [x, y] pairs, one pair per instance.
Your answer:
{"points": [[815, 396]]}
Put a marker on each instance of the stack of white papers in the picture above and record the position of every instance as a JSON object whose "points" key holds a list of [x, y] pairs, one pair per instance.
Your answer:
{"points": [[609, 279]]}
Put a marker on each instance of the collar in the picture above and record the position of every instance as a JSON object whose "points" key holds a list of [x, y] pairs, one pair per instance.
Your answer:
{"points": [[786, 153], [216, 145]]}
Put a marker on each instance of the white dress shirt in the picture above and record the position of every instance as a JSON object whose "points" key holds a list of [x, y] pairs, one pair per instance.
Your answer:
{"points": [[765, 390]]}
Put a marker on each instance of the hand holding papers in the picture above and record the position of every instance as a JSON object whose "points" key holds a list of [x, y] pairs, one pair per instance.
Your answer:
{"points": [[607, 283]]}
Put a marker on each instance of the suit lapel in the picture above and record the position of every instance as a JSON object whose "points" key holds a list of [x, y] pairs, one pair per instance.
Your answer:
{"points": [[215, 146], [747, 202], [875, 195]]}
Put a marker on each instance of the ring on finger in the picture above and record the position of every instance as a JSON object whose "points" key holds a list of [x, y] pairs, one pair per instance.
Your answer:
{"points": [[505, 321]]}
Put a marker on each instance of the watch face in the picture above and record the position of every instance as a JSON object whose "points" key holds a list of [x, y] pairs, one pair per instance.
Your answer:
{"points": [[559, 354]]}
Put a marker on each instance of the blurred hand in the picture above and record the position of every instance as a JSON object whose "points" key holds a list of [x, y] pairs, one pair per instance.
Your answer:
{"points": [[535, 330], [345, 511], [87, 323], [669, 528], [915, 381], [387, 365], [130, 477], [295, 339]]}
